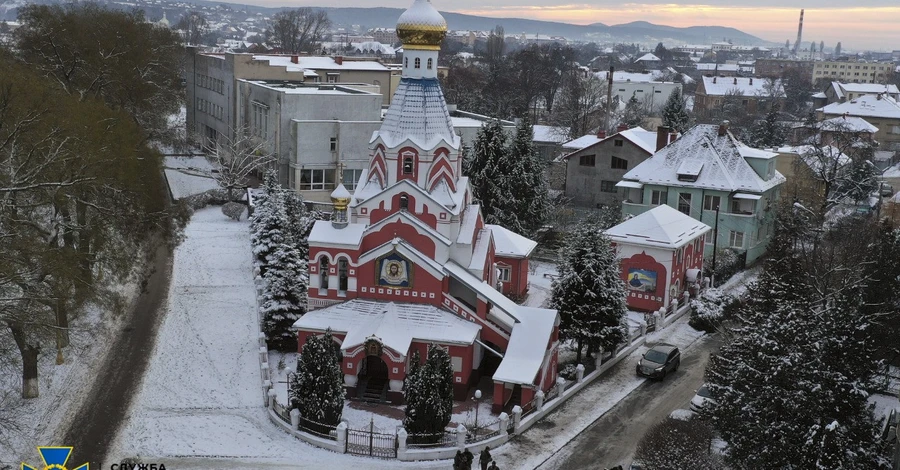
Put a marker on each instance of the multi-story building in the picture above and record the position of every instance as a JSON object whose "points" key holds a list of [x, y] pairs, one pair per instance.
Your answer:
{"points": [[385, 36], [646, 87], [311, 129], [839, 92], [707, 169], [853, 72], [407, 263], [775, 68], [881, 111], [712, 93]]}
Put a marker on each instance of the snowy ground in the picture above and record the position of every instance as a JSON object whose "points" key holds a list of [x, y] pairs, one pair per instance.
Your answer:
{"points": [[43, 420], [539, 283], [539, 443], [183, 184], [201, 402], [884, 404]]}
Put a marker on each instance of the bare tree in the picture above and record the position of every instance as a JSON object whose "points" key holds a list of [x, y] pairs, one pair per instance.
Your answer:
{"points": [[237, 158], [193, 26], [298, 30], [581, 105]]}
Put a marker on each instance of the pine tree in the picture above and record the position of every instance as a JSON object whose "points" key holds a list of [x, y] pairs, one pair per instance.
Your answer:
{"points": [[675, 115], [284, 296], [317, 388], [531, 191], [634, 113], [482, 167], [269, 222], [768, 133], [589, 293], [429, 396]]}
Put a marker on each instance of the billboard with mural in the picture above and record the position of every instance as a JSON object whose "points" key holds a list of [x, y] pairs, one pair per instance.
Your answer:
{"points": [[641, 280]]}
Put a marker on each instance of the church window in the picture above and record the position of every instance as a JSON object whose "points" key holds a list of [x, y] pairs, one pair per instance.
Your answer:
{"points": [[407, 165], [430, 64], [404, 202], [503, 273], [343, 267], [406, 62], [323, 274], [418, 63]]}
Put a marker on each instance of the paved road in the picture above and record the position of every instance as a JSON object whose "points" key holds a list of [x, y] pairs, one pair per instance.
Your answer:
{"points": [[612, 439], [97, 421]]}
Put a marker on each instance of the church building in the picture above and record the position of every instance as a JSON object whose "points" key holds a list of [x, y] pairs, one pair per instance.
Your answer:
{"points": [[408, 261]]}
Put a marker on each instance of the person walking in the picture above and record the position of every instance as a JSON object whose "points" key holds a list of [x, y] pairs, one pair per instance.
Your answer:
{"points": [[485, 458], [458, 461], [494, 466], [468, 458]]}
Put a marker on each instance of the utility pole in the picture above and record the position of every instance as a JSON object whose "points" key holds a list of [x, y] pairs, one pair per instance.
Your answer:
{"points": [[712, 275], [609, 85]]}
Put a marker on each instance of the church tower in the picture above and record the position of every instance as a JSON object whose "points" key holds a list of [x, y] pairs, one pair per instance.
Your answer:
{"points": [[407, 260]]}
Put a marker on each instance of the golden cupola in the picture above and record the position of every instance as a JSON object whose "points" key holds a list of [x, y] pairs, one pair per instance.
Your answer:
{"points": [[421, 27]]}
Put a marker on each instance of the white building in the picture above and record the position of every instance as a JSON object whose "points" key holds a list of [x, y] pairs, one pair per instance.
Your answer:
{"points": [[646, 87]]}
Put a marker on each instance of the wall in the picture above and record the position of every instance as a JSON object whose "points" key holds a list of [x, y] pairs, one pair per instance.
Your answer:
{"points": [[583, 183], [215, 67], [655, 260], [312, 149], [652, 94]]}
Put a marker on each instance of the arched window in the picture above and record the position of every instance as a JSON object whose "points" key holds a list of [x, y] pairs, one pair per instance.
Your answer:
{"points": [[406, 62], [323, 273], [408, 164], [343, 267], [418, 63], [404, 202], [430, 64]]}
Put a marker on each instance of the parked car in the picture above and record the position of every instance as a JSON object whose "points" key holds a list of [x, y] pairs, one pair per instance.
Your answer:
{"points": [[701, 399], [886, 190], [659, 361]]}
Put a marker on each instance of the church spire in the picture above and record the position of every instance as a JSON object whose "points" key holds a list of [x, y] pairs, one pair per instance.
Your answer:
{"points": [[421, 29]]}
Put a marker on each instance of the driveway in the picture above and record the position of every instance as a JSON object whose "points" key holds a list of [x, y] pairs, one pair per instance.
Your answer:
{"points": [[612, 439]]}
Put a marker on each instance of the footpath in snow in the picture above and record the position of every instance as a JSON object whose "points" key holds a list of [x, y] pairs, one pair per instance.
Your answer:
{"points": [[201, 403]]}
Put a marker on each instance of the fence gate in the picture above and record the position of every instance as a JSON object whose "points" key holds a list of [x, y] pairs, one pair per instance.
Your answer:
{"points": [[371, 443]]}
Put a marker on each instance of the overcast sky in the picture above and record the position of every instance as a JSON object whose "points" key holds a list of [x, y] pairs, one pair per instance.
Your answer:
{"points": [[870, 24]]}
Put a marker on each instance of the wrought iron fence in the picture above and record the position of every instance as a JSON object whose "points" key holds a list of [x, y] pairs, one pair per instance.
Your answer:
{"points": [[447, 438], [371, 443], [325, 431], [483, 432]]}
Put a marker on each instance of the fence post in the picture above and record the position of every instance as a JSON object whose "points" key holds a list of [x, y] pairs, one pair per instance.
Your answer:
{"points": [[579, 373], [539, 400], [402, 435], [598, 358], [504, 422], [674, 305], [687, 297], [341, 434], [561, 385], [461, 436], [272, 394], [643, 329], [517, 418], [295, 419]]}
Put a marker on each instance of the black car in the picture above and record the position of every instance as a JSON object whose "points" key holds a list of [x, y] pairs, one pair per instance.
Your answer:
{"points": [[659, 361]]}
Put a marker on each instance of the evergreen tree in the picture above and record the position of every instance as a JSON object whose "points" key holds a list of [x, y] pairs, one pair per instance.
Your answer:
{"points": [[589, 293], [300, 221], [284, 295], [634, 113], [767, 133], [530, 191], [675, 115], [317, 388], [429, 396], [482, 166], [268, 224]]}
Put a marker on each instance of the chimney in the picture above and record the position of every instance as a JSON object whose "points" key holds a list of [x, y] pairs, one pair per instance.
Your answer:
{"points": [[339, 59], [662, 137], [621, 128], [723, 128], [601, 134], [295, 59], [673, 136]]}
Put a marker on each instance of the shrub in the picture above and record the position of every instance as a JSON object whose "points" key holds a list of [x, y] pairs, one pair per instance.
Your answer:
{"points": [[233, 210], [709, 309]]}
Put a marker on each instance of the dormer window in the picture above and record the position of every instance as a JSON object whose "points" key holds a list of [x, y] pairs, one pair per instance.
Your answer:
{"points": [[689, 170], [408, 164]]}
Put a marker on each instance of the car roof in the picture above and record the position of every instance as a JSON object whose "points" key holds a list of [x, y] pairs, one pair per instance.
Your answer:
{"points": [[664, 348]]}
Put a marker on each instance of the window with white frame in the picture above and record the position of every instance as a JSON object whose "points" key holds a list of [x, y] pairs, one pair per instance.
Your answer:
{"points": [[684, 203], [319, 179], [711, 203], [260, 120], [658, 198], [736, 239], [503, 273], [350, 177]]}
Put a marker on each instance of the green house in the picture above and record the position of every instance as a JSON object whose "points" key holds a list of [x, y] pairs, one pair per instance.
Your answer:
{"points": [[708, 168]]}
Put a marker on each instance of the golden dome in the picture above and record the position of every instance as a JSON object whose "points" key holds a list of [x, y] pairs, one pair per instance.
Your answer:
{"points": [[340, 197], [421, 27]]}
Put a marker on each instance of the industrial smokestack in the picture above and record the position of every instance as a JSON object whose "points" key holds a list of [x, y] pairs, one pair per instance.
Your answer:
{"points": [[609, 85], [799, 33]]}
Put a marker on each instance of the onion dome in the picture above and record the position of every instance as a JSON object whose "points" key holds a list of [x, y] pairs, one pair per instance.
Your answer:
{"points": [[340, 197], [421, 27]]}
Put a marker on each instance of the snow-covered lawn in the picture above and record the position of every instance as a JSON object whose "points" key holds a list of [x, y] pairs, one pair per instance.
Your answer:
{"points": [[201, 403], [183, 184]]}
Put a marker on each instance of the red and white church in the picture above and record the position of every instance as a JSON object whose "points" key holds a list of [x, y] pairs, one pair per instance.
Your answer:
{"points": [[408, 261]]}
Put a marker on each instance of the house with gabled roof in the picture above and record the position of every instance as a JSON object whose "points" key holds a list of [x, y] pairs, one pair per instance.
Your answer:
{"points": [[706, 169], [879, 110]]}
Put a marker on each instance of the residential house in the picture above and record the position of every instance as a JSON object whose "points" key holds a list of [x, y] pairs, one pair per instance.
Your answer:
{"points": [[548, 141], [841, 129], [721, 70], [881, 111], [648, 87], [714, 92], [804, 166], [839, 92], [593, 171], [705, 169]]}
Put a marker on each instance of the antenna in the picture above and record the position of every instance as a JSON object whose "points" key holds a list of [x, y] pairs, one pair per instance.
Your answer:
{"points": [[799, 34]]}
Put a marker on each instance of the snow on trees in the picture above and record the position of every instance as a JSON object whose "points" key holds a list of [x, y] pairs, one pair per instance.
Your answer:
{"points": [[768, 133], [429, 396], [284, 296], [635, 112], [317, 388], [589, 292], [676, 443], [674, 114], [233, 210], [237, 158], [508, 180], [267, 227]]}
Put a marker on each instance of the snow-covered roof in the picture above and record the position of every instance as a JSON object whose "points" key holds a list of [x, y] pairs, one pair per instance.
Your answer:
{"points": [[819, 95], [661, 227], [644, 139], [815, 156], [480, 251], [504, 310], [868, 88], [723, 158], [581, 142], [467, 224], [319, 63], [636, 77], [325, 234], [395, 324], [418, 113], [374, 46], [510, 244], [847, 124], [747, 86], [648, 57], [421, 14], [553, 134], [708, 67], [527, 346], [866, 106]]}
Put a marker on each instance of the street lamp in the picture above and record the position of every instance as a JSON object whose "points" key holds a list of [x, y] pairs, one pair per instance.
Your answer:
{"points": [[477, 405]]}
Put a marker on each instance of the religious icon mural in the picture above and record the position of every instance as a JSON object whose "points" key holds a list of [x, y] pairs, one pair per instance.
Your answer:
{"points": [[642, 280], [394, 271]]}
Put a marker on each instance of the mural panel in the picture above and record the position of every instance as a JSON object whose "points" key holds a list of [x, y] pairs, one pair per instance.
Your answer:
{"points": [[393, 270]]}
